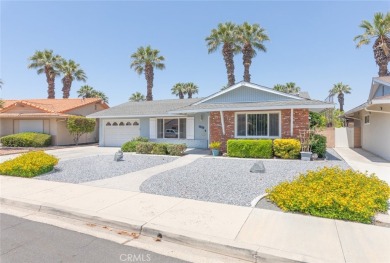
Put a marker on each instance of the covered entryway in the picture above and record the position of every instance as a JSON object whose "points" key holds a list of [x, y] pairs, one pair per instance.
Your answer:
{"points": [[119, 131]]}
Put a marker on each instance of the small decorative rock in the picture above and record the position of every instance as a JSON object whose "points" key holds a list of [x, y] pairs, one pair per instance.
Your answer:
{"points": [[118, 156], [258, 167]]}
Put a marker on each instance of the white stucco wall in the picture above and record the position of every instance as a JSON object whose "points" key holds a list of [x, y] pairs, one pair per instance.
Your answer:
{"points": [[376, 135]]}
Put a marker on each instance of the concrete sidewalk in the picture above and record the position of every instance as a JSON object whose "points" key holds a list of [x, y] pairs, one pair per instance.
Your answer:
{"points": [[251, 234]]}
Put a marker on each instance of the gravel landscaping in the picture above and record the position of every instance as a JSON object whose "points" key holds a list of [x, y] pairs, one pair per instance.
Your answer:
{"points": [[100, 167], [228, 180]]}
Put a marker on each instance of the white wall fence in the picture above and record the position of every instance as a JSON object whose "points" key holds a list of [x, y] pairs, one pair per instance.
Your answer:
{"points": [[344, 137]]}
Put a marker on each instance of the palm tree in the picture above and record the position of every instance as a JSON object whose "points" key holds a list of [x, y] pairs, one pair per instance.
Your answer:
{"points": [[251, 37], [291, 88], [288, 88], [340, 89], [225, 35], [146, 59], [379, 29], [100, 94], [137, 96], [89, 92], [191, 88], [46, 62], [85, 91], [179, 90], [71, 71], [280, 87]]}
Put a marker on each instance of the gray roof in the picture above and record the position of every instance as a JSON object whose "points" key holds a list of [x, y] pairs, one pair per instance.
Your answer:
{"points": [[203, 107], [356, 109], [144, 108]]}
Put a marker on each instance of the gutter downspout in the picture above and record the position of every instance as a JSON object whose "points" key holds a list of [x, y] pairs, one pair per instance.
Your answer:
{"points": [[292, 123], [222, 122]]}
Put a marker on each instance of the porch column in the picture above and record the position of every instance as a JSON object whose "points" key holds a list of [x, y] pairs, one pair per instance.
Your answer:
{"points": [[222, 122], [292, 123]]}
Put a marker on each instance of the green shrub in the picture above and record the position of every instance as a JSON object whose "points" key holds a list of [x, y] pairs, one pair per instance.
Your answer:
{"points": [[318, 145], [250, 148], [26, 139], [176, 149], [130, 146], [287, 148], [333, 193], [160, 148], [29, 164], [140, 139], [145, 147]]}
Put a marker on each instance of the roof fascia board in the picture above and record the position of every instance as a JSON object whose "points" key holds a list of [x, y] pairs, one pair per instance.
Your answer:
{"points": [[282, 107], [133, 116]]}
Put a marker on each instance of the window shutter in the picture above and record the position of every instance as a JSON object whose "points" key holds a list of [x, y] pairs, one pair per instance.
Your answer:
{"points": [[153, 128], [190, 128]]}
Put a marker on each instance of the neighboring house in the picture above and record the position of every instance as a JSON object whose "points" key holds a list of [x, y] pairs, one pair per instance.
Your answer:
{"points": [[244, 110], [373, 118], [48, 116]]}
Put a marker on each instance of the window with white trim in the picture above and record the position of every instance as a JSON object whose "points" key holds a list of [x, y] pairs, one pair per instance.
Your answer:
{"points": [[367, 119], [172, 128], [264, 124]]}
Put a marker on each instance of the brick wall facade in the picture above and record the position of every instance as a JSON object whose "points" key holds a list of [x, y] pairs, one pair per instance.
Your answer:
{"points": [[301, 122]]}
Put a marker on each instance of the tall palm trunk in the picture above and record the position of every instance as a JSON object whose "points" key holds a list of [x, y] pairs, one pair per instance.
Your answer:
{"points": [[247, 54], [189, 94], [181, 95], [229, 62], [67, 81], [382, 55], [50, 77], [340, 97], [149, 75]]}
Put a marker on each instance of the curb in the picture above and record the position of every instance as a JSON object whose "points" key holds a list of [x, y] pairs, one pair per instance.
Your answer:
{"points": [[239, 250]]}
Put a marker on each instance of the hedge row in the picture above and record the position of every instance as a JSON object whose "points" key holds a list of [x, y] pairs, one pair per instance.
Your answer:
{"points": [[266, 148], [160, 148], [26, 139], [250, 148], [142, 145]]}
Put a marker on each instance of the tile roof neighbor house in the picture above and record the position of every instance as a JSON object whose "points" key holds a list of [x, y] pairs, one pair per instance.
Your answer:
{"points": [[372, 118], [244, 110], [48, 116]]}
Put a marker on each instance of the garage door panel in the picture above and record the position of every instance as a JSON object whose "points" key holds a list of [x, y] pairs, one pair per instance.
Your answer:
{"points": [[123, 131], [31, 126]]}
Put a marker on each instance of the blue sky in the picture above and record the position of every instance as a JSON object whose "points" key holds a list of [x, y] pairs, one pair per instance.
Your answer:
{"points": [[311, 45]]}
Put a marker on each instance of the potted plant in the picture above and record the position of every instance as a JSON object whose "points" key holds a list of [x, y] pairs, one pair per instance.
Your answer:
{"points": [[305, 139], [215, 147]]}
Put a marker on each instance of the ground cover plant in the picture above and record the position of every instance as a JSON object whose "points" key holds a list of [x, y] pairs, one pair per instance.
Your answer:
{"points": [[29, 164], [333, 193], [26, 139]]}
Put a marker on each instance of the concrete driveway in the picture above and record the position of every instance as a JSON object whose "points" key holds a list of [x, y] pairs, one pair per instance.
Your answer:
{"points": [[362, 160], [72, 152]]}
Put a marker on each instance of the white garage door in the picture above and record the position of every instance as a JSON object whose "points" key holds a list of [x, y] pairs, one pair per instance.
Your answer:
{"points": [[119, 131], [31, 126]]}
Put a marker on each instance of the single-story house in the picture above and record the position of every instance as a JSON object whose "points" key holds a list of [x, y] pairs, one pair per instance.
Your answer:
{"points": [[373, 118], [48, 116], [244, 110]]}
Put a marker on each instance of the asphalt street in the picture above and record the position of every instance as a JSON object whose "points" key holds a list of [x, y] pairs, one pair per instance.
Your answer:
{"points": [[28, 241]]}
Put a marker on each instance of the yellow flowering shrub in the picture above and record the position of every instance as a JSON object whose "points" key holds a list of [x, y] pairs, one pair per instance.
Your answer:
{"points": [[29, 164], [333, 193], [287, 148]]}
